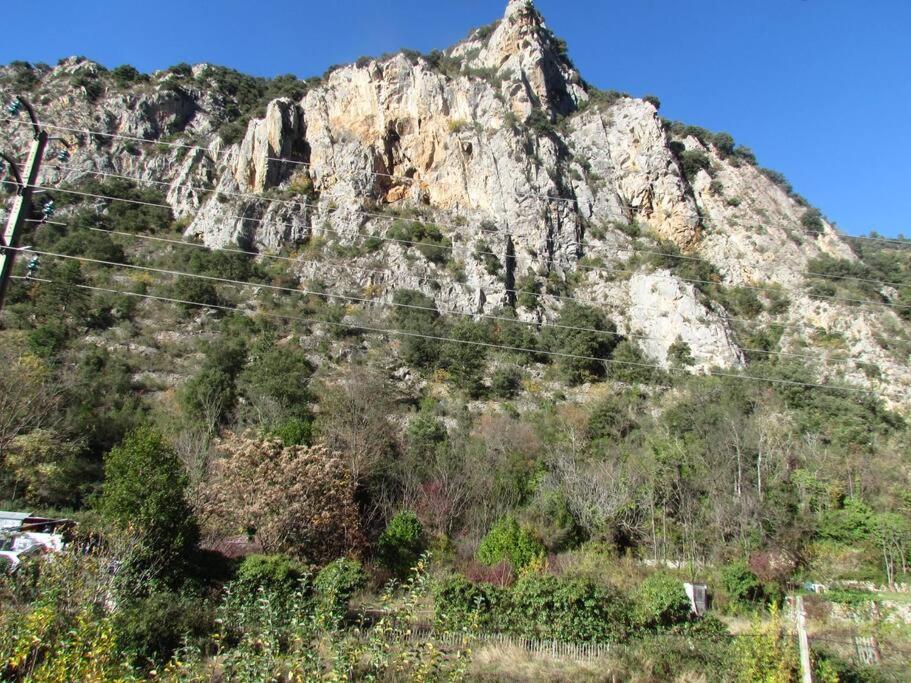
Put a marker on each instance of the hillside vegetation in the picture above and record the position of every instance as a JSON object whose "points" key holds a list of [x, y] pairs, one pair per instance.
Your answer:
{"points": [[313, 425]]}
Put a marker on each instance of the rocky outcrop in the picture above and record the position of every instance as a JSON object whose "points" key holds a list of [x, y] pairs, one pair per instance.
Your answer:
{"points": [[525, 171], [627, 150], [261, 161], [664, 310], [524, 52]]}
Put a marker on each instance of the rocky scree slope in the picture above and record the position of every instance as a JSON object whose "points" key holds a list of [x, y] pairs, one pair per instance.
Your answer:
{"points": [[534, 182]]}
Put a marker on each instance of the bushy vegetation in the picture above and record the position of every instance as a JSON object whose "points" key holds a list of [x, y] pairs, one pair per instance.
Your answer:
{"points": [[402, 542], [426, 238], [584, 336], [859, 280], [508, 542], [330, 460], [692, 161]]}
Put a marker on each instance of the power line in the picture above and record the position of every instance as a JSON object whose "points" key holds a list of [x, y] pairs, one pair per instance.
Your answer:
{"points": [[423, 278], [293, 290], [406, 333], [367, 300], [387, 175], [260, 198], [380, 272], [420, 277], [429, 279], [450, 248], [306, 164]]}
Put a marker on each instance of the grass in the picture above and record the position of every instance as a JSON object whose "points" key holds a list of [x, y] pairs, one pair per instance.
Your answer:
{"points": [[512, 663]]}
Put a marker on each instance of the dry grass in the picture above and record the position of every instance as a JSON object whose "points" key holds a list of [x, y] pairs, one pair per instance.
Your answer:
{"points": [[510, 663], [645, 663]]}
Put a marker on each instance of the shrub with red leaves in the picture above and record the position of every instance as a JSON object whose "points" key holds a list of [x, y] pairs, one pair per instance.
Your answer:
{"points": [[498, 575]]}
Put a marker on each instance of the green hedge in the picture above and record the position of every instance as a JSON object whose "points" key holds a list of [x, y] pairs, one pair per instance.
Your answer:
{"points": [[537, 606]]}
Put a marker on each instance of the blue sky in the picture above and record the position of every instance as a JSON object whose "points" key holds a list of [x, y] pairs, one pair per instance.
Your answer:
{"points": [[820, 89]]}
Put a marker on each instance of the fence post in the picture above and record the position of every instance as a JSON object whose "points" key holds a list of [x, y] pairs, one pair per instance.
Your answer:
{"points": [[803, 641]]}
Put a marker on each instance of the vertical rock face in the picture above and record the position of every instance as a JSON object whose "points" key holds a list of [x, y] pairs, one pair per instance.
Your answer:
{"points": [[528, 175], [628, 147], [666, 311], [270, 140], [541, 75]]}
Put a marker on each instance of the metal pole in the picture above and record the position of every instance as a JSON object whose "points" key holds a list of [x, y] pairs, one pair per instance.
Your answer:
{"points": [[22, 207]]}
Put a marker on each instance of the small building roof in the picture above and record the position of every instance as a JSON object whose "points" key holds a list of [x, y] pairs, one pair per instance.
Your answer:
{"points": [[13, 520]]}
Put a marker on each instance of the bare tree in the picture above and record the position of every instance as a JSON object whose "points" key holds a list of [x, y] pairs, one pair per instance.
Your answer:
{"points": [[29, 393], [354, 421]]}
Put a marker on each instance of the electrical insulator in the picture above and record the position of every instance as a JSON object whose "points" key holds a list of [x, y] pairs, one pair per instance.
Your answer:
{"points": [[33, 264], [63, 155], [14, 107], [49, 208]]}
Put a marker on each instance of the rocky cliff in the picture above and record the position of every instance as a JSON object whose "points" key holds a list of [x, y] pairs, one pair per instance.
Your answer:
{"points": [[533, 180]]}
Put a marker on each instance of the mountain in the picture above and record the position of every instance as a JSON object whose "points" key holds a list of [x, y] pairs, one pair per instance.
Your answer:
{"points": [[529, 179], [273, 341]]}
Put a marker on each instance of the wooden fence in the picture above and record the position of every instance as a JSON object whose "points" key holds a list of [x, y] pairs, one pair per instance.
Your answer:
{"points": [[552, 648]]}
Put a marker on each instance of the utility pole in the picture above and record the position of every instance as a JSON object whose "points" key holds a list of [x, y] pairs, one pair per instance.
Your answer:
{"points": [[22, 206]]}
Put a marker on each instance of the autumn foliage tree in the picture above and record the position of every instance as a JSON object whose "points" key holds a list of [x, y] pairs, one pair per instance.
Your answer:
{"points": [[296, 500]]}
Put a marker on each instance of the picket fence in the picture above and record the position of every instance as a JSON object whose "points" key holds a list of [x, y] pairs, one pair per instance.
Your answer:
{"points": [[552, 648]]}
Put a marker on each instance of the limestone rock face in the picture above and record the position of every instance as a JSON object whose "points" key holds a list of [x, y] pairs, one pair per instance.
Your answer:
{"points": [[528, 175], [629, 149], [540, 75], [664, 311], [270, 140]]}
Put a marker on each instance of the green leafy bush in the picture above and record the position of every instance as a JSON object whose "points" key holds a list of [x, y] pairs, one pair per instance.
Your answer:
{"points": [[416, 312], [543, 606], [402, 543], [527, 289], [586, 335], [484, 254], [741, 584], [680, 355], [766, 653], [653, 100], [812, 221], [628, 364], [537, 606], [270, 572], [508, 541], [692, 161], [740, 301], [334, 586], [295, 431], [125, 75], [210, 395], [460, 605], [145, 496], [47, 340], [466, 362], [275, 382], [849, 524], [193, 293], [615, 416], [153, 628], [661, 602], [539, 122], [425, 237], [90, 85], [506, 381]]}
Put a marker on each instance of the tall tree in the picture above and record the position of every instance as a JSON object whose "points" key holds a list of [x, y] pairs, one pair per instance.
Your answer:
{"points": [[144, 497]]}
